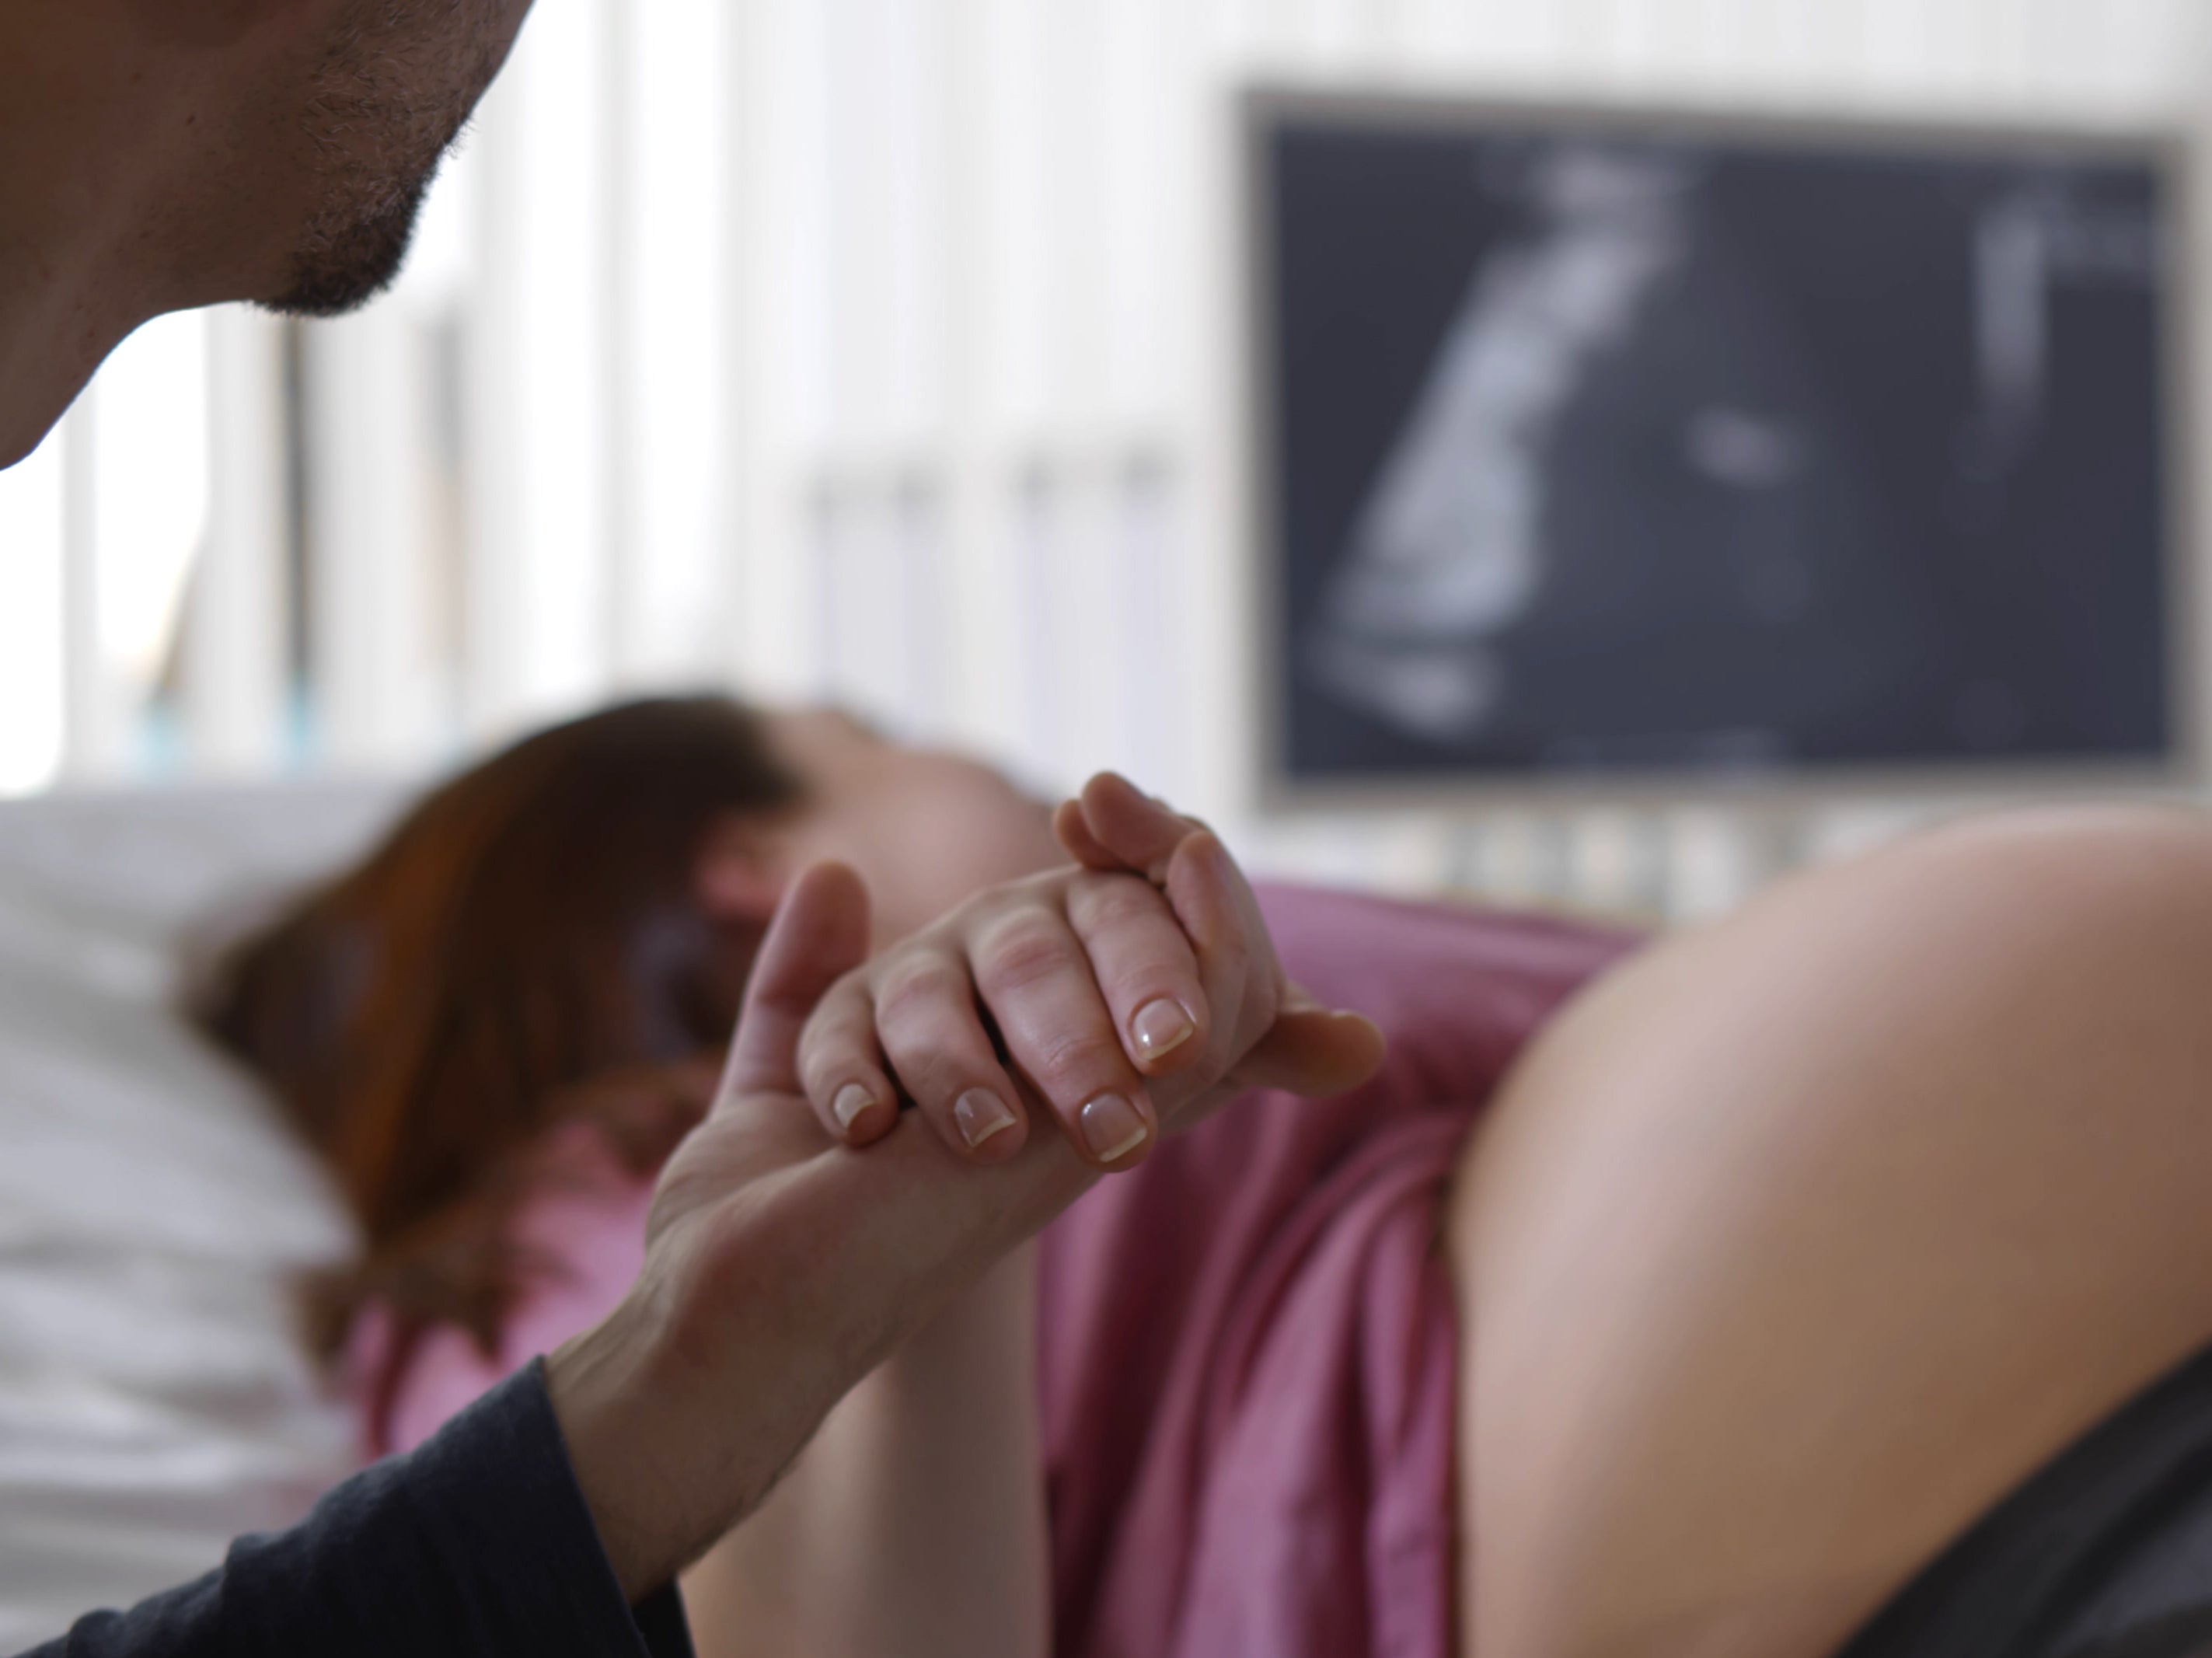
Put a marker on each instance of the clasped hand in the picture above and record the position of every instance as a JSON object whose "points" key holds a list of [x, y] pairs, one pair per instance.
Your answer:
{"points": [[1127, 996], [1138, 987]]}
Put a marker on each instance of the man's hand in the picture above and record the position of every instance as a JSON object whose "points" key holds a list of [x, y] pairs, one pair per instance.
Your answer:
{"points": [[780, 1269], [781, 1266]]}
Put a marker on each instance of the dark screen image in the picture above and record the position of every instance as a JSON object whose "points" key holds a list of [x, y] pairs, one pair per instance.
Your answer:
{"points": [[1634, 453]]}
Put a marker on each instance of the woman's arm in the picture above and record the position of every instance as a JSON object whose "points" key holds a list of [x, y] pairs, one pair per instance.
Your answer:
{"points": [[913, 1524]]}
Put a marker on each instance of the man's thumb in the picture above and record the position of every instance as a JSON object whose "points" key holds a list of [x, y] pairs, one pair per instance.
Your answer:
{"points": [[819, 933]]}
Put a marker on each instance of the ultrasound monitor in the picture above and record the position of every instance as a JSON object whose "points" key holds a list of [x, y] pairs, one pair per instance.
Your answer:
{"points": [[1598, 448]]}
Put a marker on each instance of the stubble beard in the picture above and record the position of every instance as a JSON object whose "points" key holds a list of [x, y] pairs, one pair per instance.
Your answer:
{"points": [[390, 98]]}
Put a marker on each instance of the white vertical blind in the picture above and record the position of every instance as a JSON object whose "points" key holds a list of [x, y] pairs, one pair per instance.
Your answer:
{"points": [[671, 266], [92, 719], [616, 55], [235, 669], [370, 534], [979, 517], [779, 216], [135, 471], [537, 598], [31, 619], [495, 657]]}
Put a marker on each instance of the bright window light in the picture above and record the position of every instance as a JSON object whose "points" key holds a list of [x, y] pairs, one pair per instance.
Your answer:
{"points": [[151, 490], [30, 621]]}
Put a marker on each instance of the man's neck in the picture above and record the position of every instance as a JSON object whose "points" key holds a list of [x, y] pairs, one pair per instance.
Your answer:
{"points": [[56, 327]]}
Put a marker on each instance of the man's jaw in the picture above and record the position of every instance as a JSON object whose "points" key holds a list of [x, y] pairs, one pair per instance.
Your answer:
{"points": [[340, 268], [54, 334]]}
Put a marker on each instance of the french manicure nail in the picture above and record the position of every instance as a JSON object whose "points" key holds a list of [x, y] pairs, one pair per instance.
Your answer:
{"points": [[1161, 1026], [1111, 1127], [851, 1099], [981, 1113]]}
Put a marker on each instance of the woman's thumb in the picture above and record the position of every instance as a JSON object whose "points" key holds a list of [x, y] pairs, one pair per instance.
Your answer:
{"points": [[1314, 1050]]}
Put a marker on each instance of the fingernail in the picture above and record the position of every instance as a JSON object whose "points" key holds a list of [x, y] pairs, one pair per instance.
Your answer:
{"points": [[981, 1113], [1111, 1127], [851, 1099], [1161, 1026]]}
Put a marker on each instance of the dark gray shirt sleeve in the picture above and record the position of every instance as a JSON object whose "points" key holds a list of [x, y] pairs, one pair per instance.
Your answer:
{"points": [[477, 1541], [2105, 1552]]}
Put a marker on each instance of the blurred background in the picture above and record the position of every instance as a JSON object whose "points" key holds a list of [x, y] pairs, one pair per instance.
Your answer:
{"points": [[899, 353]]}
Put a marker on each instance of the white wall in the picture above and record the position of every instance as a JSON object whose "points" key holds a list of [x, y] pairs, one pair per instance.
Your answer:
{"points": [[864, 348]]}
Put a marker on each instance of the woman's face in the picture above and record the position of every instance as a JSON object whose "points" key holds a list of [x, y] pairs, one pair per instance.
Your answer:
{"points": [[926, 829]]}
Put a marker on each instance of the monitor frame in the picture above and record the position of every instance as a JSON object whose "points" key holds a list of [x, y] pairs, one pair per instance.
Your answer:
{"points": [[2169, 150]]}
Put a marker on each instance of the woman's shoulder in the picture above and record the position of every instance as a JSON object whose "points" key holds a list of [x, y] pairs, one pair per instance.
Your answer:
{"points": [[1457, 988], [1332, 937], [578, 1237]]}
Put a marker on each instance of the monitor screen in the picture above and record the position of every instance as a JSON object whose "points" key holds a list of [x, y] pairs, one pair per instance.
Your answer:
{"points": [[1598, 445]]}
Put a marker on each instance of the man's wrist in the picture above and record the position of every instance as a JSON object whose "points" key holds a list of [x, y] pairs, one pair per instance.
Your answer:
{"points": [[682, 1408], [602, 1385]]}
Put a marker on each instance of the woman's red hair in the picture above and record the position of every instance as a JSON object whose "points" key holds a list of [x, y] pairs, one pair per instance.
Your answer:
{"points": [[525, 946]]}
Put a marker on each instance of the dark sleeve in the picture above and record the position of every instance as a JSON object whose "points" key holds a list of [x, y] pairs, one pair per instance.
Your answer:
{"points": [[477, 1541], [2105, 1552]]}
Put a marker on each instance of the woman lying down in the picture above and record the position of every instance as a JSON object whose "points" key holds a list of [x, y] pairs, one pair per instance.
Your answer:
{"points": [[1834, 1278]]}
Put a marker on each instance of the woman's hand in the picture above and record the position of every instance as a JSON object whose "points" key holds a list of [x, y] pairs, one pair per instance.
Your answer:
{"points": [[1309, 1048], [780, 1268], [1090, 992]]}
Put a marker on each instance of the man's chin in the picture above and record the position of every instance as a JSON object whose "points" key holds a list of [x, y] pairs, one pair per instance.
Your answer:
{"points": [[343, 269]]}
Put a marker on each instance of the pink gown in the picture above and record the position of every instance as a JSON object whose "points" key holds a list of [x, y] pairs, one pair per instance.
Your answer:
{"points": [[1248, 1346]]}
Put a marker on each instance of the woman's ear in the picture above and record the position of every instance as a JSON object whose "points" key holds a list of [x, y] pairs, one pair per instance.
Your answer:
{"points": [[736, 877]]}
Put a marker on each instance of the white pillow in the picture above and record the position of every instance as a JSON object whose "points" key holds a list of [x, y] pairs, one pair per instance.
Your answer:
{"points": [[153, 1211]]}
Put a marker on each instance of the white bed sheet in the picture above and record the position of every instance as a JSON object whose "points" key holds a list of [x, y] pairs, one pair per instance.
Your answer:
{"points": [[154, 1402]]}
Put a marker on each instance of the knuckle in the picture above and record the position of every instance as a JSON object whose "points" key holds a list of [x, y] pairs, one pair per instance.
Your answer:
{"points": [[1255, 1014], [935, 1076], [1022, 951], [819, 1074], [1232, 951], [1121, 900], [916, 989], [1166, 971], [1070, 1066], [823, 1073], [821, 1038]]}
